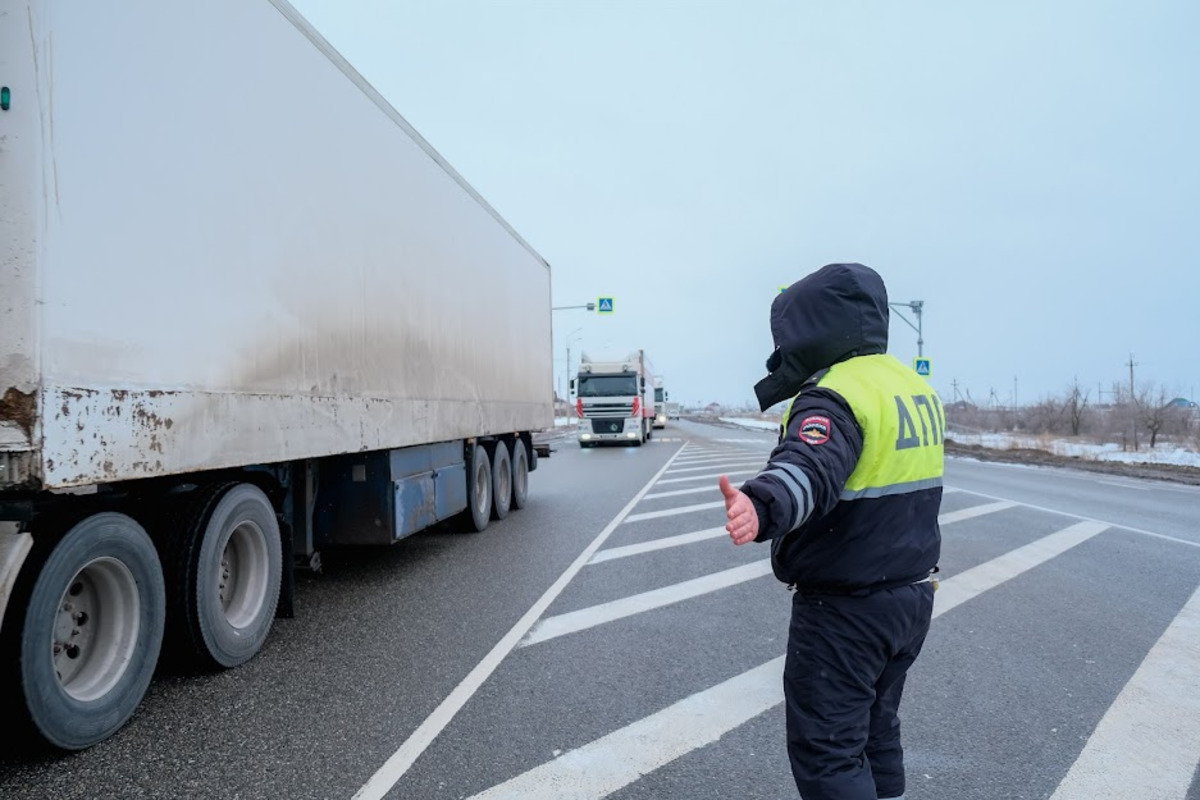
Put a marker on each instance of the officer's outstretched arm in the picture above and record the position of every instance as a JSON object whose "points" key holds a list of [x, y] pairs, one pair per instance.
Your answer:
{"points": [[810, 466]]}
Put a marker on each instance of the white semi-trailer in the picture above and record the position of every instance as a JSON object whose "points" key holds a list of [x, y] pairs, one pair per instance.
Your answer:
{"points": [[248, 314]]}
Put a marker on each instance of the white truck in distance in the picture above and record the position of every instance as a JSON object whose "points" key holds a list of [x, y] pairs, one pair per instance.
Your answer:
{"points": [[662, 410], [614, 400], [250, 315]]}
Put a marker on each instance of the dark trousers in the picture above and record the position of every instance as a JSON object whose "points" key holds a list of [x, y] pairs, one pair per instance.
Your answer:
{"points": [[846, 661]]}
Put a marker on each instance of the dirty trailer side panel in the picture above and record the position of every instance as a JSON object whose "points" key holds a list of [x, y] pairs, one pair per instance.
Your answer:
{"points": [[248, 258]]}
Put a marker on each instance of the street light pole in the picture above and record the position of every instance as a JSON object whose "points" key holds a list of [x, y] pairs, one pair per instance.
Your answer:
{"points": [[916, 306], [567, 394]]}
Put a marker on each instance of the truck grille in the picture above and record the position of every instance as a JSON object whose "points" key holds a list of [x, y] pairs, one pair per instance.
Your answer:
{"points": [[607, 425], [608, 411]]}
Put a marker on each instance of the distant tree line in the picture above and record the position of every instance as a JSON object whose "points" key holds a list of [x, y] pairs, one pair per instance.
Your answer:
{"points": [[1133, 419]]}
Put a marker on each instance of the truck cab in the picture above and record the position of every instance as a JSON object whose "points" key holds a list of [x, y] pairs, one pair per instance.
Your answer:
{"points": [[661, 395], [614, 400]]}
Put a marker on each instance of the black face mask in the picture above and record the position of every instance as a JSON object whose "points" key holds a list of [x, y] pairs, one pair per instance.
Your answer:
{"points": [[784, 382]]}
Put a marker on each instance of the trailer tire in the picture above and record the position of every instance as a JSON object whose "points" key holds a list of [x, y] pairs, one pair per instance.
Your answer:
{"points": [[99, 599], [224, 570], [520, 474], [479, 490], [502, 481]]}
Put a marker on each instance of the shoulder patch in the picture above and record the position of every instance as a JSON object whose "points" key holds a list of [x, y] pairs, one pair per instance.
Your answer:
{"points": [[815, 430]]}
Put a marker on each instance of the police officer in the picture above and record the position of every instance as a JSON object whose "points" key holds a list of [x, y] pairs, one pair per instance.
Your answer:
{"points": [[849, 502]]}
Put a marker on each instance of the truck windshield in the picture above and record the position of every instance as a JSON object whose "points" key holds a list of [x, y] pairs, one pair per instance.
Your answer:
{"points": [[607, 385]]}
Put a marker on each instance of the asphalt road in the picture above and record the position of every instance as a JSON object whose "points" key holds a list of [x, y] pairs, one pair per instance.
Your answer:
{"points": [[609, 641]]}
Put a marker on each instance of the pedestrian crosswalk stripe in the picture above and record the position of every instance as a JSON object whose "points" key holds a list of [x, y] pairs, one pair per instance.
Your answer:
{"points": [[707, 477], [734, 463], [988, 575], [1152, 729], [399, 762], [972, 512], [658, 544], [618, 759], [677, 492], [606, 765], [671, 512], [584, 618]]}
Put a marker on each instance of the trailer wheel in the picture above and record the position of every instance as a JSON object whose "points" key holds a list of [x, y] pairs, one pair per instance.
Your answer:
{"points": [[92, 631], [520, 474], [479, 490], [224, 570], [502, 481]]}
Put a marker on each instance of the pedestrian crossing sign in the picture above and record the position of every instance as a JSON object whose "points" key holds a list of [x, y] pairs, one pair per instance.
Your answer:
{"points": [[922, 366], [604, 306]]}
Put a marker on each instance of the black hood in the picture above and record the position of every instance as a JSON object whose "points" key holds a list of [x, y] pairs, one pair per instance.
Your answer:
{"points": [[838, 312]]}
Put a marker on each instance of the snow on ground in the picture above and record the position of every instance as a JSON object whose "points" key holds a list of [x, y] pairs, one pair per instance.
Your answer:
{"points": [[1162, 454]]}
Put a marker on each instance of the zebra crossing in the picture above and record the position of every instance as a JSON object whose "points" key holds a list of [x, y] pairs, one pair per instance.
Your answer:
{"points": [[1146, 742]]}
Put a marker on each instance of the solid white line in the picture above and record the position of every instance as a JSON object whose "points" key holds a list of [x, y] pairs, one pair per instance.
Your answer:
{"points": [[974, 511], [741, 462], [657, 544], [1163, 536], [990, 574], [584, 618], [671, 512], [611, 762], [711, 477], [394, 768], [677, 492], [1125, 485], [1148, 742]]}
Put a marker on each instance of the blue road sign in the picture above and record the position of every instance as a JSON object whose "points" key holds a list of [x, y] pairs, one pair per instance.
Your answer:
{"points": [[604, 306], [923, 366]]}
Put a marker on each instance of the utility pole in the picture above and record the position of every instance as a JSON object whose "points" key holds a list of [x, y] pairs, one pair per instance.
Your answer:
{"points": [[1133, 404], [1015, 391]]}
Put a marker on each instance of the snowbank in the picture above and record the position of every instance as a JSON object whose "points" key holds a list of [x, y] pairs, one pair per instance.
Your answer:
{"points": [[1162, 454]]}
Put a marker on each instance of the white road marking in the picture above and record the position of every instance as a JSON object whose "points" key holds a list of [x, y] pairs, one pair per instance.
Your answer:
{"points": [[742, 462], [1148, 742], [717, 457], [974, 511], [711, 477], [394, 768], [671, 512], [677, 492], [1125, 485], [657, 544], [584, 618], [1060, 512], [611, 762], [990, 574]]}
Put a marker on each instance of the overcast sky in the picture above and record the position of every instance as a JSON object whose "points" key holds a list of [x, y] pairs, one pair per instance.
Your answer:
{"points": [[1031, 170]]}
